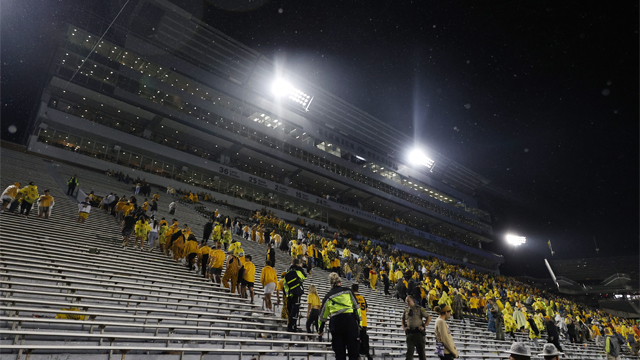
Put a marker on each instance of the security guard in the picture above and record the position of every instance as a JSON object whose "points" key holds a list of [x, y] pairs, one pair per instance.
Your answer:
{"points": [[341, 305], [294, 289], [71, 185]]}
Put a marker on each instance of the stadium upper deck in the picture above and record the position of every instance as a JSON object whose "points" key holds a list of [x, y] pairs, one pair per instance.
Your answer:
{"points": [[165, 93]]}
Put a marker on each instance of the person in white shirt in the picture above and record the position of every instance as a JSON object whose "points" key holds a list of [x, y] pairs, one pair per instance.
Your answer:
{"points": [[84, 208], [153, 234], [9, 194]]}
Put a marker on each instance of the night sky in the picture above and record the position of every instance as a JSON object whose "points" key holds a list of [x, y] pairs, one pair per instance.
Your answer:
{"points": [[540, 97]]}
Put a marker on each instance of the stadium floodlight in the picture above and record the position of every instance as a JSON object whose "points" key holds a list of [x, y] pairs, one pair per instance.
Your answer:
{"points": [[418, 157], [515, 240], [282, 88]]}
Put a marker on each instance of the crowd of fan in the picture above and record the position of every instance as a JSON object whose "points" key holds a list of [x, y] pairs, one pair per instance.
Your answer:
{"points": [[508, 306]]}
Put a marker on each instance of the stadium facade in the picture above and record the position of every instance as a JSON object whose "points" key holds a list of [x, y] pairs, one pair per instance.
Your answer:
{"points": [[169, 96]]}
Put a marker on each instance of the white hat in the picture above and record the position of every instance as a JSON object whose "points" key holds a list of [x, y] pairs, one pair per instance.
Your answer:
{"points": [[550, 350], [518, 348]]}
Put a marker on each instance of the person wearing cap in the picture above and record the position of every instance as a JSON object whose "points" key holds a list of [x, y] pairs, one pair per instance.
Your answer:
{"points": [[341, 306], [414, 327], [294, 288], [449, 350], [519, 351], [550, 352]]}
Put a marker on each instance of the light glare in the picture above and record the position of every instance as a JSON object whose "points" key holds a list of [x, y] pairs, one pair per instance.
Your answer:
{"points": [[281, 88], [418, 157], [515, 240]]}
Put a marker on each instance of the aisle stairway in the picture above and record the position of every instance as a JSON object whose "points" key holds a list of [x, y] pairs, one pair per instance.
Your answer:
{"points": [[146, 306]]}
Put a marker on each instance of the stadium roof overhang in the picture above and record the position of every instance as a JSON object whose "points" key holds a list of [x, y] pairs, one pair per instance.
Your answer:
{"points": [[582, 276]]}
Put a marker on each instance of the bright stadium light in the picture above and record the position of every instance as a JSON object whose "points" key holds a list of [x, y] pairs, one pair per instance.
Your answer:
{"points": [[515, 240], [418, 157], [282, 88]]}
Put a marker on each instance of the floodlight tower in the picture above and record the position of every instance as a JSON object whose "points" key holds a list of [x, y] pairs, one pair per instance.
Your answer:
{"points": [[515, 240], [418, 157], [282, 88]]}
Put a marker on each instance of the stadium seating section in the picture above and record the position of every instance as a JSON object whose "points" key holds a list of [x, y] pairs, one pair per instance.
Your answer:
{"points": [[70, 291]]}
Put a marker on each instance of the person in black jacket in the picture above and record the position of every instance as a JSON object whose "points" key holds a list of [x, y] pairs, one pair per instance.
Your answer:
{"points": [[293, 286], [71, 185], [154, 208], [571, 329], [411, 285], [271, 254], [208, 229], [341, 307], [385, 280], [552, 333], [401, 290]]}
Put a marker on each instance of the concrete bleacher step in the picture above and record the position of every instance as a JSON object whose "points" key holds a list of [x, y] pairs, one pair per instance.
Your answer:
{"points": [[146, 306]]}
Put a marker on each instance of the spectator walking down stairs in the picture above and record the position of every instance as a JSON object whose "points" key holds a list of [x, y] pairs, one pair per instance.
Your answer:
{"points": [[341, 306], [29, 196], [45, 205], [9, 195], [84, 208]]}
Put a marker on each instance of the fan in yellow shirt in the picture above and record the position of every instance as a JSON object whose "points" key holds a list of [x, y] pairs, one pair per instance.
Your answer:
{"points": [[127, 208], [45, 204], [268, 279], [190, 251], [216, 262], [248, 278], [313, 309], [203, 259]]}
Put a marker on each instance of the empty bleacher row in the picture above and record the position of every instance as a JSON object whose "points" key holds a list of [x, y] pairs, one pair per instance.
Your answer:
{"points": [[145, 305]]}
